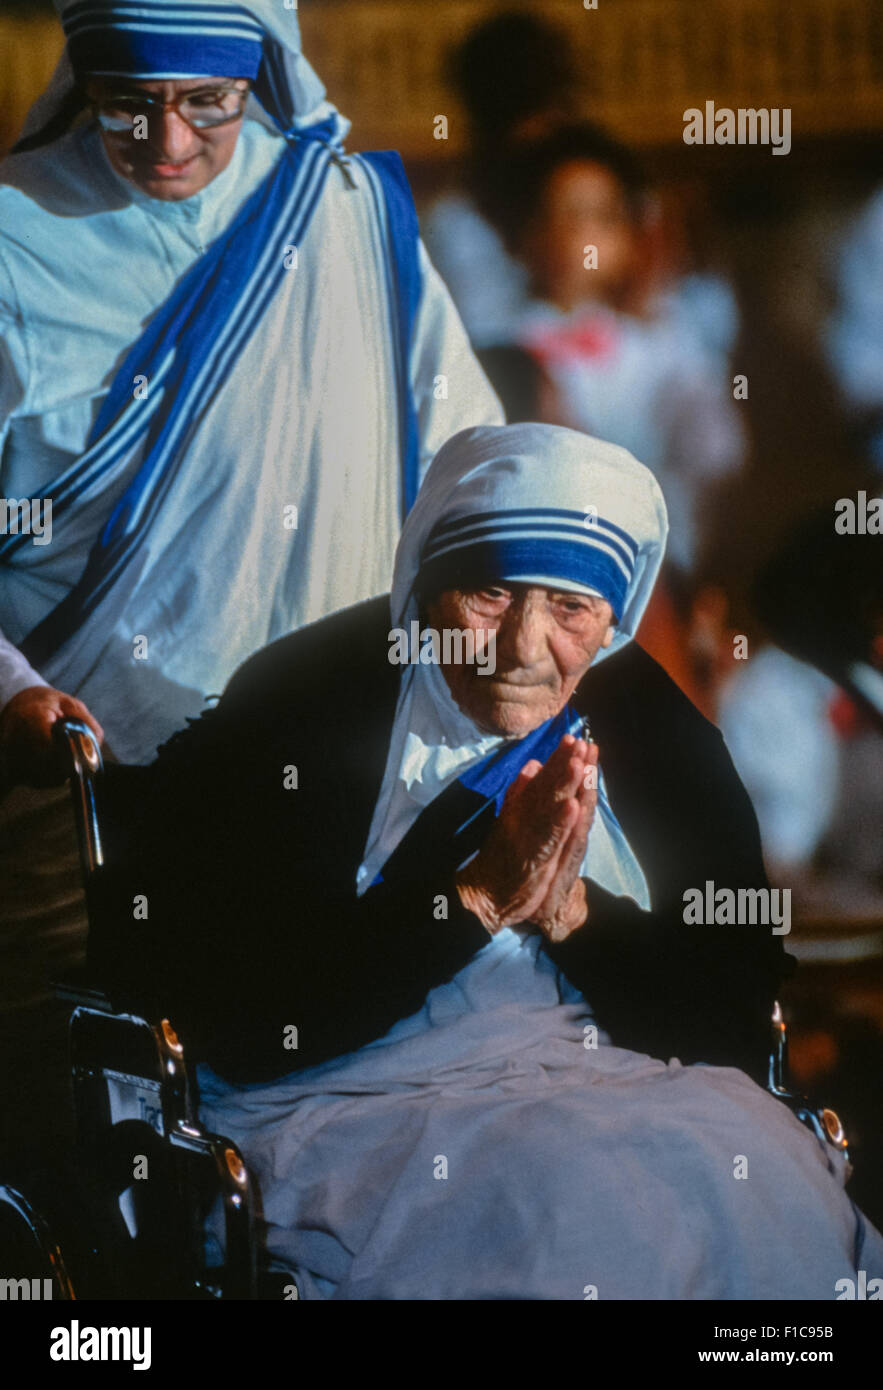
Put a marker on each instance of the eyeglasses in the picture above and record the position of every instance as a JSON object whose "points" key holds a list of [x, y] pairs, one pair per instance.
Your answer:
{"points": [[201, 110]]}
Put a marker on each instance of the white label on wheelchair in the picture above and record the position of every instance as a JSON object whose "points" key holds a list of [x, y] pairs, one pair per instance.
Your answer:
{"points": [[130, 1099]]}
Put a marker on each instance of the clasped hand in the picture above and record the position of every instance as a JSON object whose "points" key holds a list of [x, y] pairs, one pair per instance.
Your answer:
{"points": [[527, 871]]}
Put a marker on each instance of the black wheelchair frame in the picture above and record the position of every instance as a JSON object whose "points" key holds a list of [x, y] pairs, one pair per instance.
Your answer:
{"points": [[135, 1104], [136, 1117]]}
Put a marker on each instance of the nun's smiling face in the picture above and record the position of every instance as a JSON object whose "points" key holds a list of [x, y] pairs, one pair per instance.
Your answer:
{"points": [[546, 640]]}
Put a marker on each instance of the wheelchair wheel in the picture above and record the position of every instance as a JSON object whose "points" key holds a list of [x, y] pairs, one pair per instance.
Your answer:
{"points": [[30, 1251]]}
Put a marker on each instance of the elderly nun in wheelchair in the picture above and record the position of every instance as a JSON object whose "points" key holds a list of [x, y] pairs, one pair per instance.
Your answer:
{"points": [[422, 924]]}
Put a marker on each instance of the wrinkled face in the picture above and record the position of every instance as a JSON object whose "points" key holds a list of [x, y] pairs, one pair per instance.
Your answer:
{"points": [[546, 640], [173, 160], [584, 205]]}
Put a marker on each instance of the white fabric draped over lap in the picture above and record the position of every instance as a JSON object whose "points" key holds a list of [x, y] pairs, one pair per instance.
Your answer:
{"points": [[486, 1149]]}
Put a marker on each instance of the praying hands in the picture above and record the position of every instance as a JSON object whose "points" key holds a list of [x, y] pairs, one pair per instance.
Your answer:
{"points": [[528, 869]]}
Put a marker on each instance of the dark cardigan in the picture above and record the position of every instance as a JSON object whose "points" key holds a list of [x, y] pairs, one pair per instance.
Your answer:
{"points": [[253, 920]]}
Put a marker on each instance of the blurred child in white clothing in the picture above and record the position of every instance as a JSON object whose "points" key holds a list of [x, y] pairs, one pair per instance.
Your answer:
{"points": [[573, 208]]}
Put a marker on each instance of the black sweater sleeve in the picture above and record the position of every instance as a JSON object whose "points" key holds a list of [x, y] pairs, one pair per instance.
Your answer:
{"points": [[252, 929], [343, 973]]}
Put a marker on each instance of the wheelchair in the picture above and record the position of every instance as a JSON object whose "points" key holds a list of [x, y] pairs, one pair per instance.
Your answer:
{"points": [[145, 1172], [137, 1116]]}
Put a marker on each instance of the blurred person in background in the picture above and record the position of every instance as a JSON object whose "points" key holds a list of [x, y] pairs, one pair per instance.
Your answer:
{"points": [[853, 336], [777, 716], [515, 76], [574, 205], [803, 719]]}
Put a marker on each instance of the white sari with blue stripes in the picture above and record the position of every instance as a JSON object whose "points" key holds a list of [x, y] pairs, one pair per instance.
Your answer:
{"points": [[258, 478]]}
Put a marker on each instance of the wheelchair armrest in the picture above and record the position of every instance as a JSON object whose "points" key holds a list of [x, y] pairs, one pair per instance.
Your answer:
{"points": [[240, 1263], [130, 1079], [824, 1122], [79, 748]]}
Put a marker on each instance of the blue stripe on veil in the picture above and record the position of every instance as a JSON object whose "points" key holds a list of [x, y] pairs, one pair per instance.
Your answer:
{"points": [[492, 777]]}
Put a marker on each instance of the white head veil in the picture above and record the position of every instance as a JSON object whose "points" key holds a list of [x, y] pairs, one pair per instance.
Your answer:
{"points": [[287, 84], [535, 503]]}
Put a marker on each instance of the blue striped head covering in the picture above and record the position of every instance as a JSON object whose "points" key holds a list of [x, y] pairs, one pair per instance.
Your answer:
{"points": [[152, 39], [538, 504], [162, 38]]}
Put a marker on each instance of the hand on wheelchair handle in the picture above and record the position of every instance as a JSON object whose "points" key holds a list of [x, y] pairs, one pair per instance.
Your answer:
{"points": [[29, 753]]}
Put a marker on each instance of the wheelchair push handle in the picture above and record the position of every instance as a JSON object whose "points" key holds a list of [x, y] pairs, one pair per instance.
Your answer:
{"points": [[83, 764]]}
